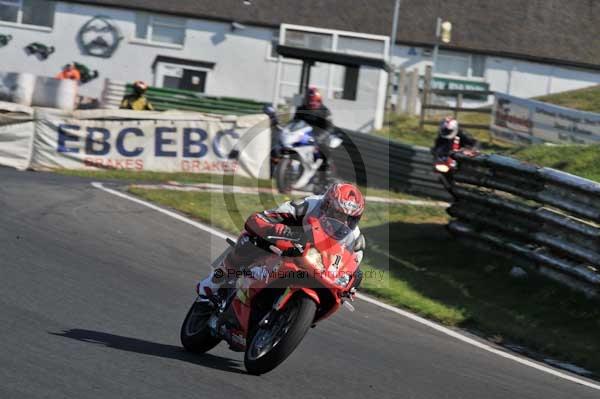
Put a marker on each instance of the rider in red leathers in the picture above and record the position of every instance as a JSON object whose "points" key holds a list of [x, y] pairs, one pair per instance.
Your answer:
{"points": [[342, 201]]}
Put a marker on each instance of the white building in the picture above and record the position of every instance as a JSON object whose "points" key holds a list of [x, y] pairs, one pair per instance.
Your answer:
{"points": [[226, 47]]}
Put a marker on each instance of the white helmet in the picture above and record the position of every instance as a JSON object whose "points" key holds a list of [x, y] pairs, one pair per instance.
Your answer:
{"points": [[448, 128]]}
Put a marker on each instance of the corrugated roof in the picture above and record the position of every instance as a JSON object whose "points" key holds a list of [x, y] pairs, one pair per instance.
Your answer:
{"points": [[555, 31]]}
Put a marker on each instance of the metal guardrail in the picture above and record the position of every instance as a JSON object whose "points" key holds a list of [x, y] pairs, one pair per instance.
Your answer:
{"points": [[381, 163], [548, 219]]}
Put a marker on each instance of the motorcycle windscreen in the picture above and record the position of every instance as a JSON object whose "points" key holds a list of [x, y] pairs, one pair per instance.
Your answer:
{"points": [[339, 231]]}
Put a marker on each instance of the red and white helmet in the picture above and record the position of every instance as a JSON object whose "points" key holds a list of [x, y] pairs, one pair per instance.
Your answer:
{"points": [[448, 128], [314, 99], [344, 202]]}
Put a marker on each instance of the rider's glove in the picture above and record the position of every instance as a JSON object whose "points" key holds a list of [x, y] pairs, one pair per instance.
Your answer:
{"points": [[281, 230]]}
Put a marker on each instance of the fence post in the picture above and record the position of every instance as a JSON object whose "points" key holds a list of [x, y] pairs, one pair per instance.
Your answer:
{"points": [[413, 92], [390, 89], [400, 104], [459, 104], [424, 102]]}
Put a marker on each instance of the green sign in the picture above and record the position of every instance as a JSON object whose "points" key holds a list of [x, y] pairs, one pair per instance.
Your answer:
{"points": [[458, 84]]}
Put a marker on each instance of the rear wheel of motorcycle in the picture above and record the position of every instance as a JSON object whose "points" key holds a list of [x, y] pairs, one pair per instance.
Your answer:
{"points": [[285, 176], [272, 345], [195, 332]]}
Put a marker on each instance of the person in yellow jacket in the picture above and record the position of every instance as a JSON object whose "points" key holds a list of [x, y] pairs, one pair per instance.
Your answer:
{"points": [[137, 101]]}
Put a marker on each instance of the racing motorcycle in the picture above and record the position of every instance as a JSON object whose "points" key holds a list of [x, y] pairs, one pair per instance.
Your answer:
{"points": [[266, 310], [296, 157], [447, 166]]}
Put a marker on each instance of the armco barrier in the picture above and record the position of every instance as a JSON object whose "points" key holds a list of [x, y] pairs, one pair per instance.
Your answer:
{"points": [[547, 219], [388, 164]]}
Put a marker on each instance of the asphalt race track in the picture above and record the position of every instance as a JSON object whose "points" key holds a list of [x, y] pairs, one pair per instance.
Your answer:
{"points": [[93, 289]]}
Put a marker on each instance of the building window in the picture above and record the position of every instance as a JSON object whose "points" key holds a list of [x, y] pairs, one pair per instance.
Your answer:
{"points": [[463, 65], [311, 40], [159, 29], [272, 54], [28, 12]]}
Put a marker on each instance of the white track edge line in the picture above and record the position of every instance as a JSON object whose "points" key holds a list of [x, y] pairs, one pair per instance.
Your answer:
{"points": [[404, 313]]}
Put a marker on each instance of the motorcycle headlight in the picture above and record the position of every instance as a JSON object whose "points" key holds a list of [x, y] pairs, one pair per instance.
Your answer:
{"points": [[442, 168], [315, 258], [343, 280]]}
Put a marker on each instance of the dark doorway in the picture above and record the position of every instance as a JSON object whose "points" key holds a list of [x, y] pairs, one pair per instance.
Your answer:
{"points": [[193, 80], [190, 80]]}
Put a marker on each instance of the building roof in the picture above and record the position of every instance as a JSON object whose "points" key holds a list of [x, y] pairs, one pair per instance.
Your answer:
{"points": [[551, 31]]}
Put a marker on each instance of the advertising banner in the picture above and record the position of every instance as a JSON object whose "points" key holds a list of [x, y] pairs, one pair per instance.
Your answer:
{"points": [[139, 141], [161, 142], [524, 121], [16, 141]]}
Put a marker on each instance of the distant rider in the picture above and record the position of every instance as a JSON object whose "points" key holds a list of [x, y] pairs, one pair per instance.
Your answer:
{"points": [[69, 72], [341, 201], [137, 101], [317, 115], [448, 131]]}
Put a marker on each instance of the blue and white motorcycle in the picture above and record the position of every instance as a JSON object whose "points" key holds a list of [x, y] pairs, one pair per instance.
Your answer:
{"points": [[297, 158]]}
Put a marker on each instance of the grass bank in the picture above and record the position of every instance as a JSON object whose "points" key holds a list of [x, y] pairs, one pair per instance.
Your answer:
{"points": [[580, 160], [195, 178], [427, 272], [405, 128], [587, 99]]}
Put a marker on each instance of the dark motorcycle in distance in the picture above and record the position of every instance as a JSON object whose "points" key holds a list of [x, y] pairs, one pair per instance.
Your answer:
{"points": [[447, 166]]}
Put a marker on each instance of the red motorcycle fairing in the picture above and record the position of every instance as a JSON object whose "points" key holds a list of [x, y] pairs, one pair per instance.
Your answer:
{"points": [[327, 267]]}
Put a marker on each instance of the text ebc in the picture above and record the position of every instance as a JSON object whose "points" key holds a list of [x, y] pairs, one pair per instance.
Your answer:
{"points": [[98, 141]]}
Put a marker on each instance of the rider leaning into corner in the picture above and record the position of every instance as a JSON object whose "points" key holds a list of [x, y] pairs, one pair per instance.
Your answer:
{"points": [[448, 131], [341, 201], [316, 114]]}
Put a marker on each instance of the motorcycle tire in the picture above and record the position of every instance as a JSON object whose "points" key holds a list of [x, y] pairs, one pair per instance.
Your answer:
{"points": [[198, 340], [281, 350], [284, 185]]}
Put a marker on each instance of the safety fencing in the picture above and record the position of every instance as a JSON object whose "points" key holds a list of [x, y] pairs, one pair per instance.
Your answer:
{"points": [[184, 100], [381, 163], [545, 219]]}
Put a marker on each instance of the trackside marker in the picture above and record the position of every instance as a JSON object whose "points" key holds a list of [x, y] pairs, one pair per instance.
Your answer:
{"points": [[454, 334]]}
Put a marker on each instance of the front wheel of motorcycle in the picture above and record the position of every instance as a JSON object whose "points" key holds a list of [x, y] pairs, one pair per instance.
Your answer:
{"points": [[272, 343], [195, 331], [287, 173]]}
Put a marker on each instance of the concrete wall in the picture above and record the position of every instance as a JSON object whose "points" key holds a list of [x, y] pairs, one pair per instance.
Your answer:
{"points": [[512, 76], [241, 69]]}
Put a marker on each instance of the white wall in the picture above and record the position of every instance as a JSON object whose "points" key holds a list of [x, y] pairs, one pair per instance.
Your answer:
{"points": [[516, 77], [241, 69]]}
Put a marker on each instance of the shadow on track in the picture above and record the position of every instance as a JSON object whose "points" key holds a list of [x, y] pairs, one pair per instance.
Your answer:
{"points": [[151, 348]]}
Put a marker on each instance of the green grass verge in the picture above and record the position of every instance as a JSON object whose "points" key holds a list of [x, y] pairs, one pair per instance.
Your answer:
{"points": [[190, 178], [587, 99], [427, 272], [405, 128], [579, 160]]}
